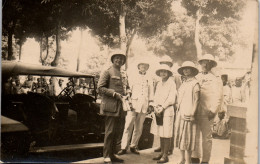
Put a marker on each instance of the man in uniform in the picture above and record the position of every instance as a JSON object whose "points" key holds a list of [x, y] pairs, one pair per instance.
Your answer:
{"points": [[210, 102], [111, 88], [141, 86]]}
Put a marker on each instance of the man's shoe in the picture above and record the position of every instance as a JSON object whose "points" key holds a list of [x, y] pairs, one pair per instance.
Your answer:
{"points": [[163, 160], [158, 149], [195, 160], [115, 159], [121, 152], [204, 162], [107, 160], [134, 150], [157, 157]]}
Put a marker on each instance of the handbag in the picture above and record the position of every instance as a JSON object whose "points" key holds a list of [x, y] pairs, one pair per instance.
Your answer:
{"points": [[159, 119]]}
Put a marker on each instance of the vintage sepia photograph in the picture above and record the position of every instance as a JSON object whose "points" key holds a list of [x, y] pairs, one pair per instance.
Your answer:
{"points": [[129, 81]]}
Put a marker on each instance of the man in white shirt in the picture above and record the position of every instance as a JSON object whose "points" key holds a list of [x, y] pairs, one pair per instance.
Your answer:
{"points": [[141, 86], [211, 89], [237, 92]]}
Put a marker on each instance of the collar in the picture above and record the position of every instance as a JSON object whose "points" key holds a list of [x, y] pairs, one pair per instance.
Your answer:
{"points": [[141, 73], [189, 79]]}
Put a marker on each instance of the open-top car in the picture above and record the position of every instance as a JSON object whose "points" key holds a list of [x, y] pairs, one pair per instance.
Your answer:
{"points": [[54, 107], [51, 109]]}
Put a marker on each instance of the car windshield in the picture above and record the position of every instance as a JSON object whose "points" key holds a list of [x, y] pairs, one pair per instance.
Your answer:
{"points": [[21, 78], [49, 85]]}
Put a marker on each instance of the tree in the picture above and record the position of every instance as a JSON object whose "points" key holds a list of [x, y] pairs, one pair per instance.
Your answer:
{"points": [[177, 40], [118, 21], [208, 12], [11, 14]]}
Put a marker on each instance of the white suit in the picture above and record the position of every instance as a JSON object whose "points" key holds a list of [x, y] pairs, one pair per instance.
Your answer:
{"points": [[211, 89], [142, 92]]}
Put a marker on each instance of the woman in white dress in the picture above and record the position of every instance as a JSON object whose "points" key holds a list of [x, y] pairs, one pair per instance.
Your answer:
{"points": [[164, 98], [188, 99]]}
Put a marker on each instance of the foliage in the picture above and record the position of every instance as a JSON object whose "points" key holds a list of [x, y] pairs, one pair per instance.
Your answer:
{"points": [[218, 24], [216, 9], [147, 17]]}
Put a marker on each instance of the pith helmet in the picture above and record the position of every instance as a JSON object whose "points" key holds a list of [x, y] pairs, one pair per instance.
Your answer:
{"points": [[164, 67], [121, 53], [147, 64], [210, 58], [166, 60], [188, 64]]}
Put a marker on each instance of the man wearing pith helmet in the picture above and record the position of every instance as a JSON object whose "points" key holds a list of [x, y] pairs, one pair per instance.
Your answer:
{"points": [[111, 89], [209, 104], [141, 86]]}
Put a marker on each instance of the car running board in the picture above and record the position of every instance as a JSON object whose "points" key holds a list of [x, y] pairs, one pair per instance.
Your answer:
{"points": [[65, 147]]}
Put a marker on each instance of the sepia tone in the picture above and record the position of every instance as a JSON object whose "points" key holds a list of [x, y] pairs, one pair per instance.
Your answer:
{"points": [[80, 45]]}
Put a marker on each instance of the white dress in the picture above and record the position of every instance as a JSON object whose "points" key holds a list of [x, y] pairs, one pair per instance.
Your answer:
{"points": [[165, 94]]}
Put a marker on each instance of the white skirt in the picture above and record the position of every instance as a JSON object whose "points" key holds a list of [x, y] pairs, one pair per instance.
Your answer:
{"points": [[166, 130]]}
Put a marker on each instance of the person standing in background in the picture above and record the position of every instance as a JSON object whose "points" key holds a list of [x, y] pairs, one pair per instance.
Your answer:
{"points": [[141, 86], [237, 91], [29, 82]]}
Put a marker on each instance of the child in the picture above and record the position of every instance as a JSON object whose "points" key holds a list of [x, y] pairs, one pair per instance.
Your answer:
{"points": [[188, 98], [164, 99]]}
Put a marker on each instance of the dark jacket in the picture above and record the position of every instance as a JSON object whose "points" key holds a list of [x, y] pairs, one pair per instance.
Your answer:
{"points": [[110, 82]]}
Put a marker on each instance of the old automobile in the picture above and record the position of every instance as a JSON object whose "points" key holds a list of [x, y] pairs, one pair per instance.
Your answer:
{"points": [[68, 117], [51, 109]]}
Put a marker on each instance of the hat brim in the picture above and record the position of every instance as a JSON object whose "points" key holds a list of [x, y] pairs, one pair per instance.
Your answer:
{"points": [[118, 55], [143, 64], [213, 62], [170, 64], [194, 71], [158, 72]]}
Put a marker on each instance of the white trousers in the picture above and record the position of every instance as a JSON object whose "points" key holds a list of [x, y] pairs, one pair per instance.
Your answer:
{"points": [[134, 121]]}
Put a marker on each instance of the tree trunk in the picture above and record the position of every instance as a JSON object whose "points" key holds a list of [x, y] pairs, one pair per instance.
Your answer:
{"points": [[55, 62], [10, 40], [47, 47], [20, 50], [122, 33], [10, 45], [79, 51], [41, 58], [197, 30], [129, 43]]}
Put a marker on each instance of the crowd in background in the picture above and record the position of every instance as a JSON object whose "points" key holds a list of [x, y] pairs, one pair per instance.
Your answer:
{"points": [[51, 86]]}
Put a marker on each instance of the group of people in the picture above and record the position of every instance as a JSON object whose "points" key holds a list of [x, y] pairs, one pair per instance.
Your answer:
{"points": [[183, 108], [14, 86], [236, 91], [53, 87]]}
